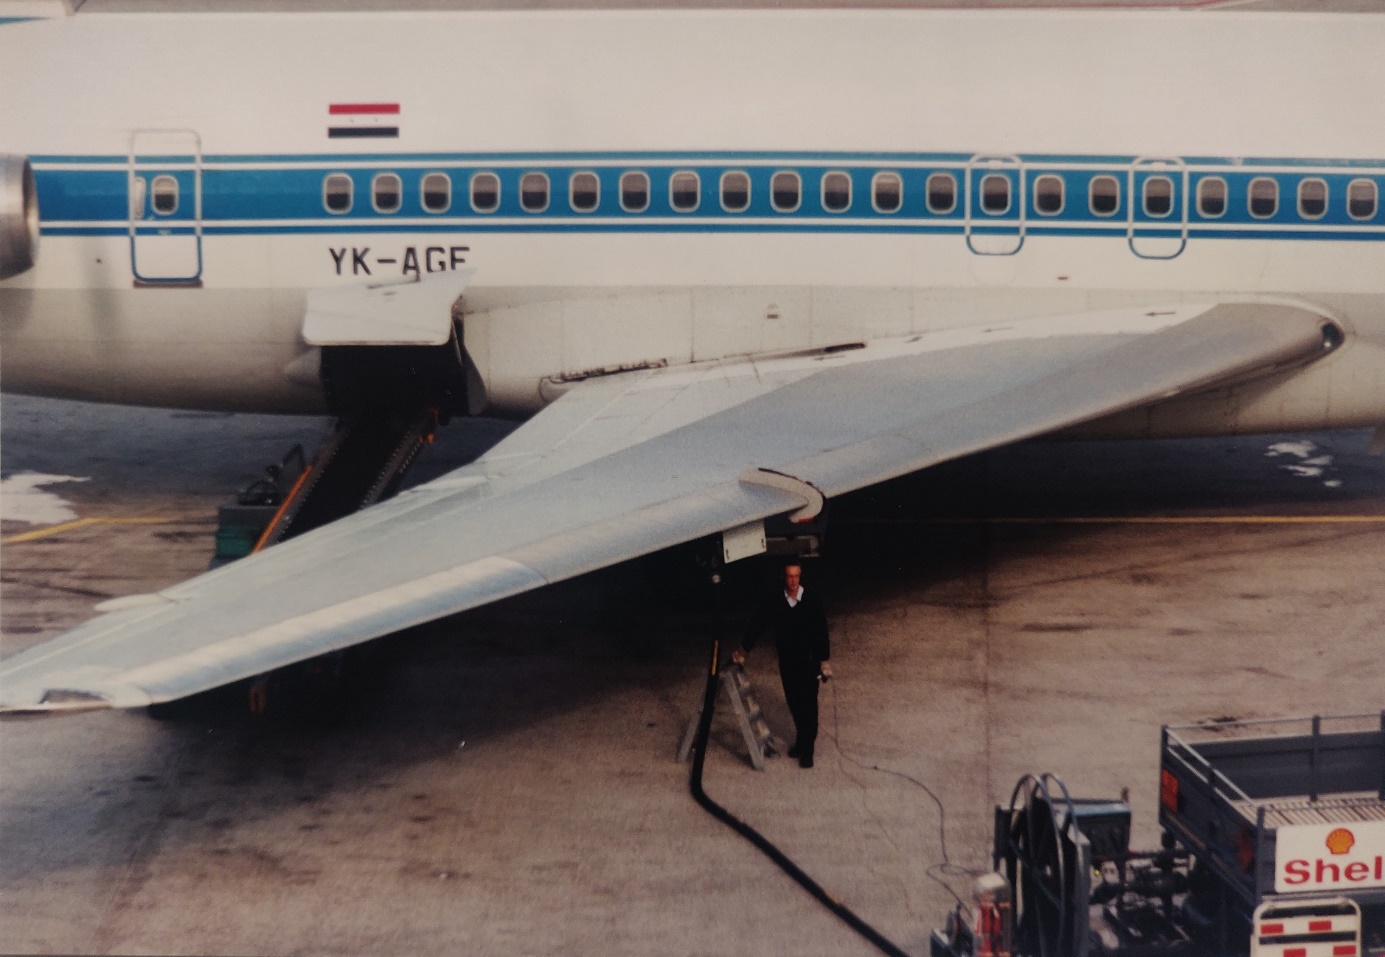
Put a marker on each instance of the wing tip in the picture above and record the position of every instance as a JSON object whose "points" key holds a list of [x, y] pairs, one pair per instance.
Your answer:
{"points": [[42, 699], [56, 701]]}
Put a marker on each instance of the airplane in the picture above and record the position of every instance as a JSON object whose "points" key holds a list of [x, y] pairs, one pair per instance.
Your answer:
{"points": [[725, 265]]}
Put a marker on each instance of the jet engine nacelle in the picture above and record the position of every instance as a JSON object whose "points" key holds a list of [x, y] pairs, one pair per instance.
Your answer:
{"points": [[18, 216]]}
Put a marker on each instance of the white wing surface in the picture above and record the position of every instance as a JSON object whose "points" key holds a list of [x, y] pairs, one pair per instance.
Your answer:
{"points": [[627, 464]]}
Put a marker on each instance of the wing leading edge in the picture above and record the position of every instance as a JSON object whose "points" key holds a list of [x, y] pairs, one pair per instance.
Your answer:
{"points": [[625, 465]]}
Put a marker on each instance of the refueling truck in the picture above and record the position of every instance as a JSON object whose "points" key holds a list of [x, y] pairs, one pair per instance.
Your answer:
{"points": [[1272, 845]]}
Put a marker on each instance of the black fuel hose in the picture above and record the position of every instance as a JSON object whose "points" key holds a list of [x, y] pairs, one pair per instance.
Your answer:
{"points": [[704, 729]]}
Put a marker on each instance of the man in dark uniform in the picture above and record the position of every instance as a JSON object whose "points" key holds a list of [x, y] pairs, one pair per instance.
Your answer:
{"points": [[800, 635]]}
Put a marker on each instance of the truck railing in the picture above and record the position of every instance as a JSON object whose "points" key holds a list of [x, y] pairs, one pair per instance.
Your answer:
{"points": [[1309, 757], [1226, 786], [1210, 802], [1221, 728]]}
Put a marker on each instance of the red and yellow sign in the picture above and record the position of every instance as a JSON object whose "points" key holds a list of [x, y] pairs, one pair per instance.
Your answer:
{"points": [[1323, 857]]}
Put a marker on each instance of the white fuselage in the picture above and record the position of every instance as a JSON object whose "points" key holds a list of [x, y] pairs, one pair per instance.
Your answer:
{"points": [[226, 120]]}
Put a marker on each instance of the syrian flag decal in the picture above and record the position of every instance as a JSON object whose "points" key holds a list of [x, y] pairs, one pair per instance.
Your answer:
{"points": [[363, 120]]}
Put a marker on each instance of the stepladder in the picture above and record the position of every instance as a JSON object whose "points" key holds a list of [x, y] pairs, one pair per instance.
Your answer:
{"points": [[760, 742]]}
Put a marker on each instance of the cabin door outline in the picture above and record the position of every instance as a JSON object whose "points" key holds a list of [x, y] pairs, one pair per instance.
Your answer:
{"points": [[991, 233], [165, 204], [1151, 232]]}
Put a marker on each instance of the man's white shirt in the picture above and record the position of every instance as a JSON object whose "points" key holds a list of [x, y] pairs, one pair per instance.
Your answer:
{"points": [[796, 598]]}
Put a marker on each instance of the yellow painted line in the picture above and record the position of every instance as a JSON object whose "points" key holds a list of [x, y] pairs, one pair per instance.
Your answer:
{"points": [[1140, 520], [79, 523]]}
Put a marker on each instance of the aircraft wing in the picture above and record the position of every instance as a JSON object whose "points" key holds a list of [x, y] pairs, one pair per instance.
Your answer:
{"points": [[623, 465]]}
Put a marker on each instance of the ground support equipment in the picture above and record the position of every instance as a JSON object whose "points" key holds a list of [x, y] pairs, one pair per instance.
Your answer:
{"points": [[1273, 845]]}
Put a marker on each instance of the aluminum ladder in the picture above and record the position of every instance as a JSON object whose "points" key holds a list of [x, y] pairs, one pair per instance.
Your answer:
{"points": [[760, 742]]}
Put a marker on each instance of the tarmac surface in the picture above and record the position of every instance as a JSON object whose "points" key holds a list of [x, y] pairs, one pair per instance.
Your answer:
{"points": [[506, 784]]}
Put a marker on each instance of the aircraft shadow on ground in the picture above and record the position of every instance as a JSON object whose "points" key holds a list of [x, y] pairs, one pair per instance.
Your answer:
{"points": [[644, 626]]}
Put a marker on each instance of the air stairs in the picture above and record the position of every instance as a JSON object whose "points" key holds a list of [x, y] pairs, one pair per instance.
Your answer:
{"points": [[363, 462]]}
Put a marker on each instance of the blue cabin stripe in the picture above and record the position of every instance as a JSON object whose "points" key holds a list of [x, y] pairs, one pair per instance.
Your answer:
{"points": [[265, 194]]}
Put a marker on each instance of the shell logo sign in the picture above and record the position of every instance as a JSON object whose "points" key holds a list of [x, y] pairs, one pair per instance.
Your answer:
{"points": [[1323, 857], [1340, 841]]}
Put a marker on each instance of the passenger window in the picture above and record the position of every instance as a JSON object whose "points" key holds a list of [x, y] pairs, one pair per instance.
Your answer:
{"points": [[634, 191], [1048, 195], [785, 191], [436, 191], [164, 195], [735, 191], [1264, 197], [941, 193], [485, 192], [887, 192], [836, 192], [1104, 195], [336, 193], [533, 192], [1362, 197], [584, 191], [1211, 197], [1158, 192], [386, 193], [684, 189], [1312, 198], [995, 194]]}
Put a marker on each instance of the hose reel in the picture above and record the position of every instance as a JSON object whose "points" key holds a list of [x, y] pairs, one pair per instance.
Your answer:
{"points": [[1048, 862]]}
